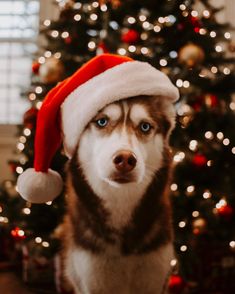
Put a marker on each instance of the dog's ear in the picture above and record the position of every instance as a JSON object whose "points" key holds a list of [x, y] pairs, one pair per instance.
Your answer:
{"points": [[168, 114]]}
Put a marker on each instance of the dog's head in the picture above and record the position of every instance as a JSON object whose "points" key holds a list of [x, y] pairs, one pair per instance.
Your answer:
{"points": [[123, 144]]}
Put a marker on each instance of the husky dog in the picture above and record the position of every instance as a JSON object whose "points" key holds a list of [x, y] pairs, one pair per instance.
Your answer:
{"points": [[118, 231]]}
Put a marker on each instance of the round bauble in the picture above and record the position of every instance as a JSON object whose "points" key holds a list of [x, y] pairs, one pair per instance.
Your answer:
{"points": [[30, 117], [35, 67], [176, 284], [199, 160], [225, 211], [130, 36], [51, 71], [191, 54]]}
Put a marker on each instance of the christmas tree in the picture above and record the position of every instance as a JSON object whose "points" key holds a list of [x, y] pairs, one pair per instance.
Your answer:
{"points": [[184, 40]]}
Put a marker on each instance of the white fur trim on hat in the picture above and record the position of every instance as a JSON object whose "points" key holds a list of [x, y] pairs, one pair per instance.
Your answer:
{"points": [[128, 79], [39, 187]]}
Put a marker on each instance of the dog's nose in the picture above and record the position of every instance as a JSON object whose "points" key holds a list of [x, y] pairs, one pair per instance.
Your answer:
{"points": [[124, 161]]}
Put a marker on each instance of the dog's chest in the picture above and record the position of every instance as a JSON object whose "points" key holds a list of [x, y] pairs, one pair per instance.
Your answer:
{"points": [[110, 273]]}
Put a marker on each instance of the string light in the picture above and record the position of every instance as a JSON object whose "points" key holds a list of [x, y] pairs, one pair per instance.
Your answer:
{"points": [[146, 25], [95, 4], [142, 17], [232, 244], [132, 48], [163, 62], [226, 71], [121, 51], [183, 248], [233, 150], [213, 34], [27, 132], [195, 213], [193, 144], [38, 240], [209, 135], [47, 54], [173, 262], [26, 210], [157, 29], [179, 83], [19, 170], [54, 34], [20, 146], [38, 89], [207, 194], [41, 59], [78, 5], [186, 84], [194, 13], [91, 45], [185, 14], [77, 17], [49, 203], [206, 13], [161, 19], [232, 105], [209, 163], [47, 22], [144, 50], [173, 54], [144, 36], [103, 8], [4, 219], [131, 20], [57, 55], [93, 16], [226, 141], [218, 48], [202, 31], [182, 7], [39, 104], [179, 156], [220, 135], [214, 69], [22, 139], [174, 187], [45, 244], [221, 203], [65, 35], [227, 35], [182, 224], [190, 189]]}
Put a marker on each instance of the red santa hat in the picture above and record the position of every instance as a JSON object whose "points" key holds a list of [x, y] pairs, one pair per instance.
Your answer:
{"points": [[69, 107]]}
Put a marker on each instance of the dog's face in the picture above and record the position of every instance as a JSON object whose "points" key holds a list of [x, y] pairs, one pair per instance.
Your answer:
{"points": [[123, 145]]}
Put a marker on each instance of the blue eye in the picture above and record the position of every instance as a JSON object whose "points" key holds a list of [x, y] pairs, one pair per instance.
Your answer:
{"points": [[102, 122], [145, 127]]}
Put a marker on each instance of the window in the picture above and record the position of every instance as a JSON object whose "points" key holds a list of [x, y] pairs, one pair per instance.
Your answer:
{"points": [[18, 33]]}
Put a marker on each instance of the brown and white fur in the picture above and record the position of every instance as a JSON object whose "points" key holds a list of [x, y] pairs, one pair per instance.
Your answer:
{"points": [[118, 233]]}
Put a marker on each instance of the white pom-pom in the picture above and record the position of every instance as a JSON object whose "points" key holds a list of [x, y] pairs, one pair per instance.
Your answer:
{"points": [[39, 187]]}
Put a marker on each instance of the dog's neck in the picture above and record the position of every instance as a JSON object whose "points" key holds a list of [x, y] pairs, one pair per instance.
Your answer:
{"points": [[143, 216]]}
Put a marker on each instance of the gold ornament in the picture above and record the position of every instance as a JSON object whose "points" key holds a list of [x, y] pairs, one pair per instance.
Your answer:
{"points": [[51, 71], [191, 54], [114, 3]]}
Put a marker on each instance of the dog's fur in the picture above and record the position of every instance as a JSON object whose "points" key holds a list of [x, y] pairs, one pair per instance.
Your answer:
{"points": [[118, 233]]}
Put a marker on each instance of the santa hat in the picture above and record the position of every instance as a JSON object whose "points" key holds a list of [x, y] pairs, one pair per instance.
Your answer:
{"points": [[69, 107]]}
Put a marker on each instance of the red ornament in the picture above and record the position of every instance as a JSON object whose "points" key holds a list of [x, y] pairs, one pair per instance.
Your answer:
{"points": [[68, 40], [35, 67], [195, 21], [176, 284], [102, 48], [30, 117], [199, 160], [226, 211], [131, 36], [18, 234]]}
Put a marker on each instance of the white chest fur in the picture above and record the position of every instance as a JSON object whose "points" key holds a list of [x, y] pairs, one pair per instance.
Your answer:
{"points": [[112, 273]]}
